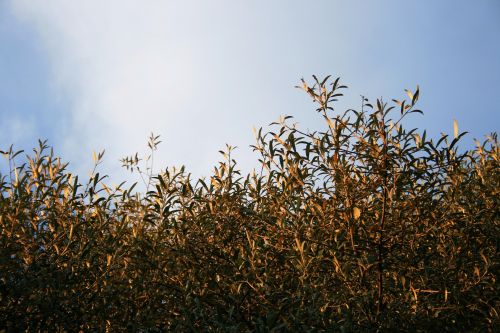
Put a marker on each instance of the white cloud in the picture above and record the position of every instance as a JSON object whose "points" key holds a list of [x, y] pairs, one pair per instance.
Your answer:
{"points": [[116, 63], [200, 73]]}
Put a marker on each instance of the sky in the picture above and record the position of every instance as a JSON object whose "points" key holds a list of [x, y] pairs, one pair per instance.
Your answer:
{"points": [[103, 74]]}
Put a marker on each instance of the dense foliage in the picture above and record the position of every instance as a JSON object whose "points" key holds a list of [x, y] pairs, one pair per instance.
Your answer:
{"points": [[362, 226]]}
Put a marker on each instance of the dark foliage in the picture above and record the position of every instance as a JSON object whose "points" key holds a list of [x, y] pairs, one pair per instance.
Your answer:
{"points": [[363, 226]]}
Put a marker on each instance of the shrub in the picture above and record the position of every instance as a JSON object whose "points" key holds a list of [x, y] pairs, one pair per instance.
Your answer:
{"points": [[361, 226]]}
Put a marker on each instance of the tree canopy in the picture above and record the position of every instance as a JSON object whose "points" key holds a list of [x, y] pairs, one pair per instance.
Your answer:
{"points": [[363, 225]]}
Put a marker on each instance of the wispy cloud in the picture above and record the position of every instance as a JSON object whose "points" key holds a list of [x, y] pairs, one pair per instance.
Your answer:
{"points": [[118, 67], [202, 73], [199, 73]]}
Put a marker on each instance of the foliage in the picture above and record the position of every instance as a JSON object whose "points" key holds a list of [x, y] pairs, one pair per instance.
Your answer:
{"points": [[362, 226]]}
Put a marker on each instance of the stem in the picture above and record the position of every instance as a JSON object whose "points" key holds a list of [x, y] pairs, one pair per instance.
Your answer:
{"points": [[150, 170], [380, 245]]}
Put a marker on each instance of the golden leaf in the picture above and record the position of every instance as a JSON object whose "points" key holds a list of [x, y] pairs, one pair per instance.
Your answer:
{"points": [[356, 212], [410, 94]]}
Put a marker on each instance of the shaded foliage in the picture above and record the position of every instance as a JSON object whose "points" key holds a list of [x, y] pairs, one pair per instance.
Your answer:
{"points": [[362, 226]]}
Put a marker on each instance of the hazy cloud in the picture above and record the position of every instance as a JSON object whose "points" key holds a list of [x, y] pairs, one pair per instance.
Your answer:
{"points": [[203, 73], [117, 64]]}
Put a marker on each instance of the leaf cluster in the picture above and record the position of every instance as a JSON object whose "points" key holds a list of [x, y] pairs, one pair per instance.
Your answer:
{"points": [[361, 226]]}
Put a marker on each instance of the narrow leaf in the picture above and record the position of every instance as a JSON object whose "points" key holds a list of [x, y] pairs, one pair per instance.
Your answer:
{"points": [[356, 212]]}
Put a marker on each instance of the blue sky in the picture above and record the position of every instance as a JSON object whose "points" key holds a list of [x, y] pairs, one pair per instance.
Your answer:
{"points": [[92, 75]]}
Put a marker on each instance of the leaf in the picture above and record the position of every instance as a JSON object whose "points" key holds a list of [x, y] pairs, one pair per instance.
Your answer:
{"points": [[162, 182], [356, 212], [409, 93], [418, 140], [455, 128], [415, 96]]}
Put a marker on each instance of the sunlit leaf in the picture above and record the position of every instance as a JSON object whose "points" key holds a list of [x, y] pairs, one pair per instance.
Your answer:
{"points": [[356, 212]]}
